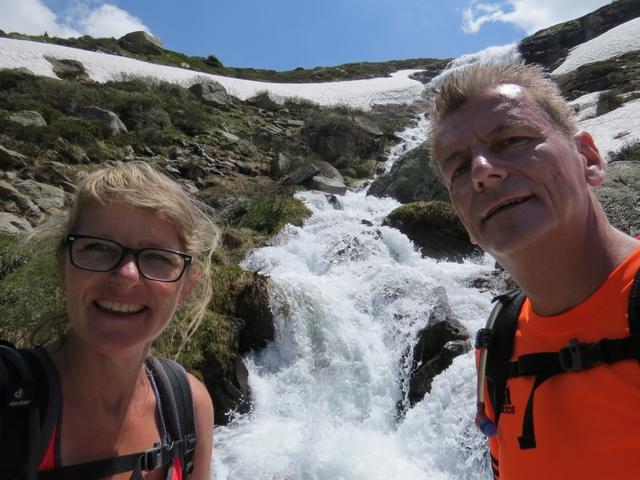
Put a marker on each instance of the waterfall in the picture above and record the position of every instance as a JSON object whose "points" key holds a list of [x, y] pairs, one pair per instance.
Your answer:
{"points": [[349, 296]]}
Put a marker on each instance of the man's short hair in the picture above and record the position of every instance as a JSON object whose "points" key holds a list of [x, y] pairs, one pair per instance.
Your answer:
{"points": [[468, 82]]}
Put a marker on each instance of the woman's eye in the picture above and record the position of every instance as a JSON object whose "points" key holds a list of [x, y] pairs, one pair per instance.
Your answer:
{"points": [[459, 170], [98, 247]]}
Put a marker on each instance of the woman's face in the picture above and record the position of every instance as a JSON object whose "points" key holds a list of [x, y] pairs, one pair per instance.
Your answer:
{"points": [[120, 311]]}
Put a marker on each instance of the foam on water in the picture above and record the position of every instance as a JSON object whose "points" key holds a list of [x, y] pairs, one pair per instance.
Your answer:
{"points": [[349, 296]]}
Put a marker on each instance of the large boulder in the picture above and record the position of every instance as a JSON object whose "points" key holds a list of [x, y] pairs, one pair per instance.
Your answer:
{"points": [[549, 47], [107, 117], [411, 178], [28, 118], [212, 93], [328, 179], [48, 198], [141, 42], [434, 228], [441, 340], [68, 69]]}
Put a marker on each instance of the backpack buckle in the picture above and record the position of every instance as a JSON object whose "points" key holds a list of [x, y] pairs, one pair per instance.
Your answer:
{"points": [[151, 459], [579, 356]]}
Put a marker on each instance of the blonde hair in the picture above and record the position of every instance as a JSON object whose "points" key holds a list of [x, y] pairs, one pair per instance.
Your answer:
{"points": [[138, 185], [466, 83]]}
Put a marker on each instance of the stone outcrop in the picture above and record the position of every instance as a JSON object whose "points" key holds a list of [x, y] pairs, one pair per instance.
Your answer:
{"points": [[11, 224], [28, 118], [10, 160], [252, 306], [109, 118], [67, 69], [434, 228], [141, 42], [411, 178], [441, 340], [549, 47], [212, 93]]}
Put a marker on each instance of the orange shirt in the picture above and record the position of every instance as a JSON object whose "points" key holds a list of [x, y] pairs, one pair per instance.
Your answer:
{"points": [[587, 424]]}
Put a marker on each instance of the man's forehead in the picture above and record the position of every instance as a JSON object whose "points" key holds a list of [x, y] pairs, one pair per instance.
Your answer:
{"points": [[502, 106]]}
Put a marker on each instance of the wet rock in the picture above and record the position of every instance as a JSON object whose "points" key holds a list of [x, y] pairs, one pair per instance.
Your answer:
{"points": [[328, 185], [411, 178], [434, 228], [107, 117], [141, 42], [67, 69], [252, 305], [212, 93], [439, 342], [28, 118]]}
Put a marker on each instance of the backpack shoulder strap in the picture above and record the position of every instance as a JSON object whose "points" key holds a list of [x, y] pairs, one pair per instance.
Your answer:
{"points": [[501, 348], [634, 305], [29, 410], [177, 405]]}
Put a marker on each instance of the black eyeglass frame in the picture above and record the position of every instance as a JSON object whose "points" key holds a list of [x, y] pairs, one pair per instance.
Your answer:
{"points": [[135, 252]]}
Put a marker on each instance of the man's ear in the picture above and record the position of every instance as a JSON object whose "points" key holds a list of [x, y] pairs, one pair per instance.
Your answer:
{"points": [[594, 165], [192, 280]]}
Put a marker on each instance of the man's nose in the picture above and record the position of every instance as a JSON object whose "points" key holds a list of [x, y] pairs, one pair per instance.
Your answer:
{"points": [[486, 171]]}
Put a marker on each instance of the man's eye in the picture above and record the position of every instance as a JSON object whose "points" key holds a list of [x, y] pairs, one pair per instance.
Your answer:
{"points": [[510, 142]]}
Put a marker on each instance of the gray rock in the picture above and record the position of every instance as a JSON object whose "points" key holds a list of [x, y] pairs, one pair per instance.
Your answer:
{"points": [[105, 116], [280, 165], [411, 178], [11, 200], [245, 148], [295, 123], [368, 125], [13, 225], [68, 69], [141, 42], [301, 174], [253, 306], [435, 229], [328, 185], [212, 93], [10, 160], [230, 137], [264, 101], [439, 342], [28, 118], [47, 197]]}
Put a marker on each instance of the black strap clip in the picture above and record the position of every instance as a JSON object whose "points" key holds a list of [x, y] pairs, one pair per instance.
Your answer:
{"points": [[152, 459], [579, 356], [484, 338]]}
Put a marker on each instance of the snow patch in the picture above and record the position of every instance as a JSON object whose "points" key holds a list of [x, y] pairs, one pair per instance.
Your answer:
{"points": [[621, 39], [615, 129], [102, 67]]}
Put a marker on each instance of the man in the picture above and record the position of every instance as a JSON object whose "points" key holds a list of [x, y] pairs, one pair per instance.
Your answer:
{"points": [[519, 177]]}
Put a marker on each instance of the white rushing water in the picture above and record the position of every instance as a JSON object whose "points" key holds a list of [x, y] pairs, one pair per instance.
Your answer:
{"points": [[349, 296]]}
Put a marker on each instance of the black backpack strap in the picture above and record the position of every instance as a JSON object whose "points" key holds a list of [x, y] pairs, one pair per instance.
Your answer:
{"points": [[634, 306], [177, 405], [501, 349]]}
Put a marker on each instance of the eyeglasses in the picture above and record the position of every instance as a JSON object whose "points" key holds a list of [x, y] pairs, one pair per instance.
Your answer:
{"points": [[101, 255]]}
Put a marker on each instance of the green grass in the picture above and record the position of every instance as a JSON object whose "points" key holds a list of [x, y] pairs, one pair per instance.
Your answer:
{"points": [[269, 212]]}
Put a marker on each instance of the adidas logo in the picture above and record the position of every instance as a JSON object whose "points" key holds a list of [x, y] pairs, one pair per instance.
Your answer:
{"points": [[508, 407]]}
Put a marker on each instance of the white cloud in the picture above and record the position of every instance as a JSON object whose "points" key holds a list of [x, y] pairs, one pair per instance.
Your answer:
{"points": [[528, 15], [111, 21], [88, 17]]}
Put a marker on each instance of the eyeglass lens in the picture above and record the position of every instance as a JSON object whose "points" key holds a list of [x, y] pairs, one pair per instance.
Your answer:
{"points": [[104, 255]]}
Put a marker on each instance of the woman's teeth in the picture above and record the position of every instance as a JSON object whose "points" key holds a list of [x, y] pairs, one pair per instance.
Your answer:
{"points": [[120, 307]]}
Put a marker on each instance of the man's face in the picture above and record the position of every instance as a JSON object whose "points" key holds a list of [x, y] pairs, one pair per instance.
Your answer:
{"points": [[513, 177]]}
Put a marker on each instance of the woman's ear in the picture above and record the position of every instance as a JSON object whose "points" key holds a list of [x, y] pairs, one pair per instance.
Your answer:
{"points": [[191, 282], [594, 165]]}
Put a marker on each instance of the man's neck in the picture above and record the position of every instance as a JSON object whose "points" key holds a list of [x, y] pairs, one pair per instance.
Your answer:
{"points": [[558, 277]]}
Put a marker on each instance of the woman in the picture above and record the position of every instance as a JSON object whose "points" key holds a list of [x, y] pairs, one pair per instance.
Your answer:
{"points": [[132, 251]]}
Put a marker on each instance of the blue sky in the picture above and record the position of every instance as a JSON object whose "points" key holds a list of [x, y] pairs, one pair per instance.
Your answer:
{"points": [[285, 34]]}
